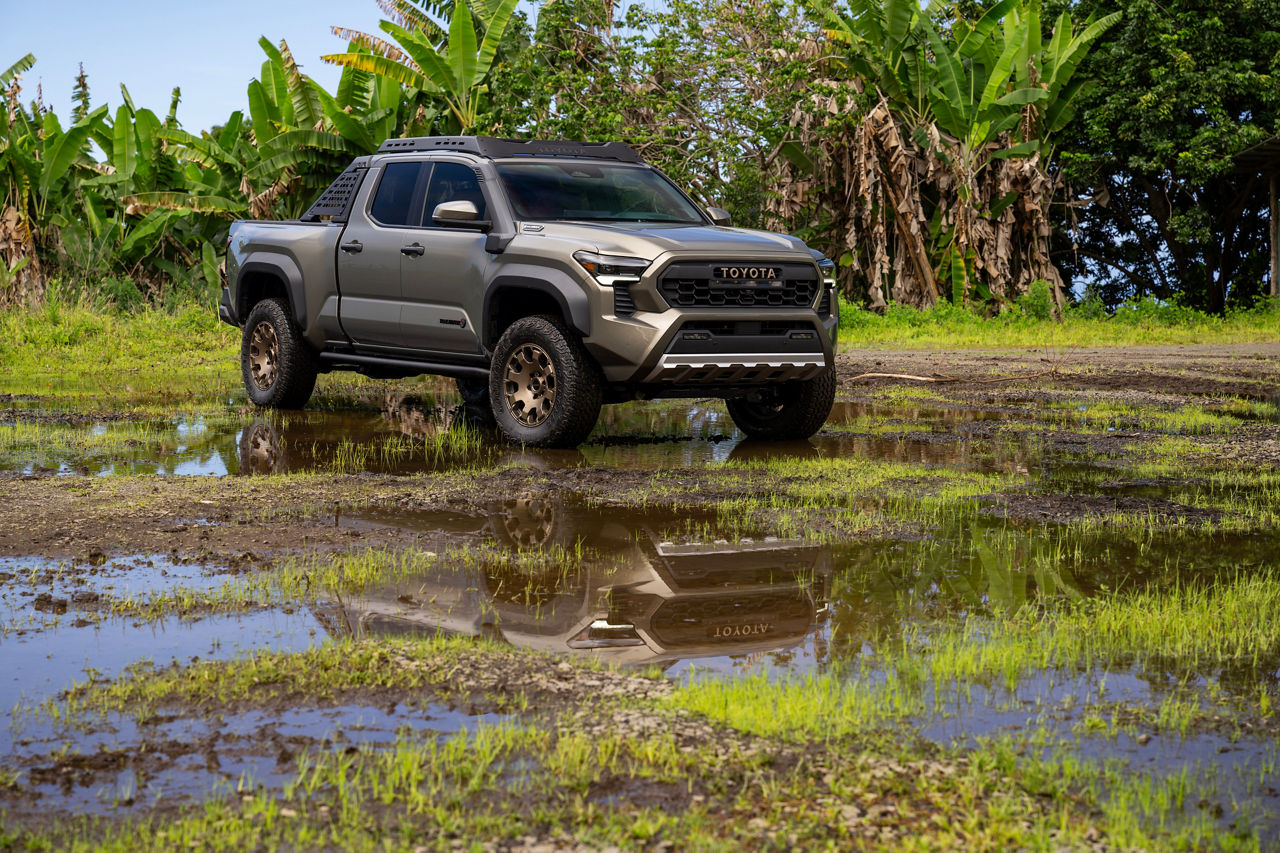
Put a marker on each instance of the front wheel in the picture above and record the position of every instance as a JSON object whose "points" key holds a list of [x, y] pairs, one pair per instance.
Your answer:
{"points": [[277, 364], [787, 412], [544, 388]]}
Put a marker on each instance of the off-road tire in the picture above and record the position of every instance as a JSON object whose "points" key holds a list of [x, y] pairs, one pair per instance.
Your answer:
{"points": [[293, 367], [790, 412], [475, 402], [576, 389]]}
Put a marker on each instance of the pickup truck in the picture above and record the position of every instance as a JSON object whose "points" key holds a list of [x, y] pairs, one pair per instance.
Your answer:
{"points": [[546, 278]]}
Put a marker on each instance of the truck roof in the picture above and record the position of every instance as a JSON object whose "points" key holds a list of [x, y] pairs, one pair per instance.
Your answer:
{"points": [[335, 202], [494, 148]]}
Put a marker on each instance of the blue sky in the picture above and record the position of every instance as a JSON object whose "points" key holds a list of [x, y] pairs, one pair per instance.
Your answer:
{"points": [[209, 49]]}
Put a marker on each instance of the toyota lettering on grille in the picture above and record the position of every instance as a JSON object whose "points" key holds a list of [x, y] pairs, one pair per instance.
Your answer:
{"points": [[744, 273]]}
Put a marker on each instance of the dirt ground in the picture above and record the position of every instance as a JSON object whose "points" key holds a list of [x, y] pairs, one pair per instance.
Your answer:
{"points": [[1244, 370]]}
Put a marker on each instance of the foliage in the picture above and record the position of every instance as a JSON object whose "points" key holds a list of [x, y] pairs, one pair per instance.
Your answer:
{"points": [[923, 149], [457, 74], [932, 153], [152, 210], [701, 88], [1187, 86]]}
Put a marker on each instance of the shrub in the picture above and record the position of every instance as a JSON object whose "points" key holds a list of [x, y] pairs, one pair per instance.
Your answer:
{"points": [[1037, 302]]}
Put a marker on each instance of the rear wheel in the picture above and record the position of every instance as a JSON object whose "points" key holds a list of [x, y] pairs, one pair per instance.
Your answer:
{"points": [[543, 386], [277, 364], [786, 412]]}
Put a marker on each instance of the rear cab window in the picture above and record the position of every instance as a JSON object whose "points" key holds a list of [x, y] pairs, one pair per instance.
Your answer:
{"points": [[393, 201]]}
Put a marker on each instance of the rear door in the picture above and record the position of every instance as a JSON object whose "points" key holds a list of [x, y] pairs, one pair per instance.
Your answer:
{"points": [[442, 279], [369, 254]]}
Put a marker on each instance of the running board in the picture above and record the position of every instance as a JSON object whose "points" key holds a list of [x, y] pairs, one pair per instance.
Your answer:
{"points": [[409, 366]]}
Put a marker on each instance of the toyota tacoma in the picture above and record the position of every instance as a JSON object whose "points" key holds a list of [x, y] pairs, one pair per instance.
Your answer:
{"points": [[546, 278]]}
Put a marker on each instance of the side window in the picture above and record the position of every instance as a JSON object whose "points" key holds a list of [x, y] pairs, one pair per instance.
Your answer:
{"points": [[395, 193], [452, 182]]}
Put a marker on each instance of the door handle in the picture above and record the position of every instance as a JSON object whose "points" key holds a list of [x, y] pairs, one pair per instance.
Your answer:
{"points": [[352, 248], [414, 249]]}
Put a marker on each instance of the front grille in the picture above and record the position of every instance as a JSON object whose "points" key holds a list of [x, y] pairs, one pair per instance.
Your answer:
{"points": [[739, 328], [824, 305], [694, 285], [732, 619], [623, 304]]}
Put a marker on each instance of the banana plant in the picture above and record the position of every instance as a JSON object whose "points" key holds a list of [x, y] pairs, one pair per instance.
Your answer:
{"points": [[962, 115], [455, 70], [19, 173]]}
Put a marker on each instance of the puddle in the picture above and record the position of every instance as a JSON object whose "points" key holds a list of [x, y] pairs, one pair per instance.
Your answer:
{"points": [[415, 434], [38, 664], [191, 758]]}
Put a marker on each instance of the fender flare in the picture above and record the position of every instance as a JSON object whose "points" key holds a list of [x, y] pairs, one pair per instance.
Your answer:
{"points": [[567, 294], [280, 266]]}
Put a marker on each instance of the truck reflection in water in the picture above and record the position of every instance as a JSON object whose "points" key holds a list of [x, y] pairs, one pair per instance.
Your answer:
{"points": [[634, 597]]}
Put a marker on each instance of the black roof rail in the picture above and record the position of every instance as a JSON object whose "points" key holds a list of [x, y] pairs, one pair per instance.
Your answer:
{"points": [[493, 147]]}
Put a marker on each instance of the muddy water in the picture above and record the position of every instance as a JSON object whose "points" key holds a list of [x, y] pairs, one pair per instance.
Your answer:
{"points": [[416, 434], [56, 626]]}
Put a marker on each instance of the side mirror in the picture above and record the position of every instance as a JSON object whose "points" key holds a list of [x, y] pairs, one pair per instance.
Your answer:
{"points": [[719, 216], [453, 212]]}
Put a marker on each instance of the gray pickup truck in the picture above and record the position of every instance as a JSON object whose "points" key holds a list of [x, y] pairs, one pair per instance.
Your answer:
{"points": [[547, 278]]}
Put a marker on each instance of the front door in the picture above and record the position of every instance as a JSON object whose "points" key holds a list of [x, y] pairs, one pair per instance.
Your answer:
{"points": [[443, 283], [370, 253]]}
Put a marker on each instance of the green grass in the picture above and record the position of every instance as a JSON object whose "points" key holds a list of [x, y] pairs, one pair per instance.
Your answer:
{"points": [[1144, 323], [76, 340], [155, 347], [320, 674], [1196, 631], [153, 360], [1183, 420]]}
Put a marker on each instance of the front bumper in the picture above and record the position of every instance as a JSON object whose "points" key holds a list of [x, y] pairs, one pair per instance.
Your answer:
{"points": [[650, 348]]}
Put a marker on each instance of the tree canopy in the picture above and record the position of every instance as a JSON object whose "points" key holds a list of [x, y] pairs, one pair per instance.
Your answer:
{"points": [[962, 151]]}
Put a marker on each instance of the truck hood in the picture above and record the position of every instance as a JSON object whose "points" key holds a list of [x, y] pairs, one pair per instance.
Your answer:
{"points": [[648, 240]]}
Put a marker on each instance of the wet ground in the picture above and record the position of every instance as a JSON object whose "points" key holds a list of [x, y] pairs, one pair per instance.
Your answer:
{"points": [[140, 533]]}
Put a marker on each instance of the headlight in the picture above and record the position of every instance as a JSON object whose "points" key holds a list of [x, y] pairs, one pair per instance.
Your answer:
{"points": [[601, 634], [827, 268], [612, 269]]}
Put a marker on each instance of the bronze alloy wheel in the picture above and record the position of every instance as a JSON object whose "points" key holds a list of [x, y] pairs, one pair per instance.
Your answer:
{"points": [[530, 385], [264, 355], [529, 522]]}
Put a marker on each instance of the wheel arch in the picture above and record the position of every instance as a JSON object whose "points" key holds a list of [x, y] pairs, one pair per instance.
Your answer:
{"points": [[510, 297], [271, 275]]}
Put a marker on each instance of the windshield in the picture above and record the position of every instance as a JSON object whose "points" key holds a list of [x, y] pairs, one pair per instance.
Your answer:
{"points": [[594, 191]]}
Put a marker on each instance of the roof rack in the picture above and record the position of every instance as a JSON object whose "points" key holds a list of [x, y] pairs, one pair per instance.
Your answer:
{"points": [[493, 148]]}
